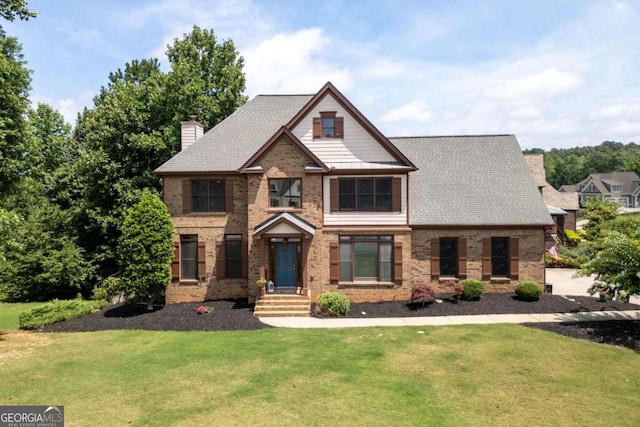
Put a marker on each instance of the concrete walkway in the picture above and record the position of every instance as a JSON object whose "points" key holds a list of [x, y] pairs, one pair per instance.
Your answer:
{"points": [[564, 283], [313, 322]]}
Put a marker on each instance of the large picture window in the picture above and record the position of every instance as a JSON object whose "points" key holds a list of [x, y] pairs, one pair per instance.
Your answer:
{"points": [[500, 257], [449, 257], [366, 258], [365, 194], [189, 256], [285, 193], [208, 195]]}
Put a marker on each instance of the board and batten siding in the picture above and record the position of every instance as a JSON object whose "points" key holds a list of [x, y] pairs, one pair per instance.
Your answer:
{"points": [[357, 145], [363, 218]]}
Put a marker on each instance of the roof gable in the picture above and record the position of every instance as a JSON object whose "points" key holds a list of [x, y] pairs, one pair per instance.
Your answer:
{"points": [[393, 154], [248, 166]]}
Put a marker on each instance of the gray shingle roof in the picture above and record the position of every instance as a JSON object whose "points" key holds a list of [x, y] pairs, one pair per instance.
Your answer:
{"points": [[238, 137], [471, 180]]}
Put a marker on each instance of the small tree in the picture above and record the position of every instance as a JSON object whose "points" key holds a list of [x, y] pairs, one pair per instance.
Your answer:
{"points": [[598, 213], [616, 265], [145, 248]]}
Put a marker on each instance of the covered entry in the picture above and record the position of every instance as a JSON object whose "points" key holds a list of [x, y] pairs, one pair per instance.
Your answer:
{"points": [[284, 241]]}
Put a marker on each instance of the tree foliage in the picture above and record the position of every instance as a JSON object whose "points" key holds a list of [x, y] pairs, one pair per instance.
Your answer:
{"points": [[568, 166], [146, 248], [616, 266], [598, 213], [10, 9], [134, 128], [14, 102]]}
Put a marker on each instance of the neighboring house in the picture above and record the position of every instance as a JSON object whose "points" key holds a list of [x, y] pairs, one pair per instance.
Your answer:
{"points": [[563, 207], [305, 191], [620, 187]]}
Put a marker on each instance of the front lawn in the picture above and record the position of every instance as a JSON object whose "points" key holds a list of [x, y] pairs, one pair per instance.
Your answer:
{"points": [[455, 375], [9, 313]]}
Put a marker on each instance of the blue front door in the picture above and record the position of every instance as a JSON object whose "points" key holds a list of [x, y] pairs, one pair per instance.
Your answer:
{"points": [[286, 265]]}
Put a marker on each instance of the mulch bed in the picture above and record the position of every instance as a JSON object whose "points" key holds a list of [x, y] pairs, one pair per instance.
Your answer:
{"points": [[237, 314], [229, 315]]}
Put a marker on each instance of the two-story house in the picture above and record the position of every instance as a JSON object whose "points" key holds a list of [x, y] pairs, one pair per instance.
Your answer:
{"points": [[620, 187], [305, 191]]}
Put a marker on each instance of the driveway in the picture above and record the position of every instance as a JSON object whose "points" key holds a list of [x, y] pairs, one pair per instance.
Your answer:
{"points": [[565, 283]]}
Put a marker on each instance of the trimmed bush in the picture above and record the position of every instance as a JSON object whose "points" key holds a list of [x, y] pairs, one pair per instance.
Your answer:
{"points": [[57, 311], [332, 304], [528, 291], [473, 289], [573, 238], [423, 293]]}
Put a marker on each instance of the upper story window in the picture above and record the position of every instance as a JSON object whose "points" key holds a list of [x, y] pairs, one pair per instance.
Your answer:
{"points": [[285, 193], [328, 125], [208, 195], [365, 194], [592, 188], [616, 188]]}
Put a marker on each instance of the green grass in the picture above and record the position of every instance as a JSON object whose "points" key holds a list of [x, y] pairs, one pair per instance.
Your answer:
{"points": [[9, 313], [498, 375]]}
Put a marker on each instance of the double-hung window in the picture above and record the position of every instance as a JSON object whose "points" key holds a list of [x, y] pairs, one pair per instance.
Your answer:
{"points": [[366, 258], [500, 257], [189, 256], [208, 195], [233, 256], [448, 257]]}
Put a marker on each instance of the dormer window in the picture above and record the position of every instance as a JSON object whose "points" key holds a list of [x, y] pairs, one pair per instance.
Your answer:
{"points": [[328, 125]]}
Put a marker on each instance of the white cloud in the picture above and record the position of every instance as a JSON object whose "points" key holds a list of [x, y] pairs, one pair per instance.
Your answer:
{"points": [[542, 85], [68, 108], [292, 63], [412, 111]]}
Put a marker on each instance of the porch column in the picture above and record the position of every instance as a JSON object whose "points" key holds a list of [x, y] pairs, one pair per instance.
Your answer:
{"points": [[305, 274], [261, 269]]}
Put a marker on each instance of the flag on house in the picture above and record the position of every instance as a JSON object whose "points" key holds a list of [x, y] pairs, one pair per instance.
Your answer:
{"points": [[553, 250]]}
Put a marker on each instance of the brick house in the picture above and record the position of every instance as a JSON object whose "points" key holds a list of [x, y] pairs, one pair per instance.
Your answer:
{"points": [[305, 191], [563, 207]]}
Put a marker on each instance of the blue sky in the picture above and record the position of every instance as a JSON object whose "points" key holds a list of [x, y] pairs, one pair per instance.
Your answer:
{"points": [[556, 73]]}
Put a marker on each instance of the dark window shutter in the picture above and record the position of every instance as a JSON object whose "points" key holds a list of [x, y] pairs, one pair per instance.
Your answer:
{"points": [[334, 196], [514, 256], [462, 258], [435, 258], [396, 194], [186, 196], [397, 262], [228, 196], [220, 260], [334, 261], [317, 127], [339, 127], [202, 259], [175, 264], [486, 258]]}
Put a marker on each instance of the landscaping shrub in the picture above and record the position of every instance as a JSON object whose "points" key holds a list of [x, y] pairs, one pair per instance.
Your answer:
{"points": [[528, 291], [573, 238], [423, 293], [56, 311], [107, 290], [473, 289], [332, 304]]}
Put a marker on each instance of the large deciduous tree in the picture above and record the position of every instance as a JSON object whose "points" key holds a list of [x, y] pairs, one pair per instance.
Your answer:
{"points": [[15, 81], [135, 127], [145, 248]]}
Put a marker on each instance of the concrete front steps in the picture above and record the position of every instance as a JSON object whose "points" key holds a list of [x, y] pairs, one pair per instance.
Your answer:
{"points": [[283, 305]]}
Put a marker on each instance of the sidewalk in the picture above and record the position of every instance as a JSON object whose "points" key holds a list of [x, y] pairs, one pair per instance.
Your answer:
{"points": [[314, 322], [562, 279]]}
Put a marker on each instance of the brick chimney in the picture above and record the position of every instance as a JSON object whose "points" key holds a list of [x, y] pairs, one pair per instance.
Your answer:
{"points": [[189, 132]]}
